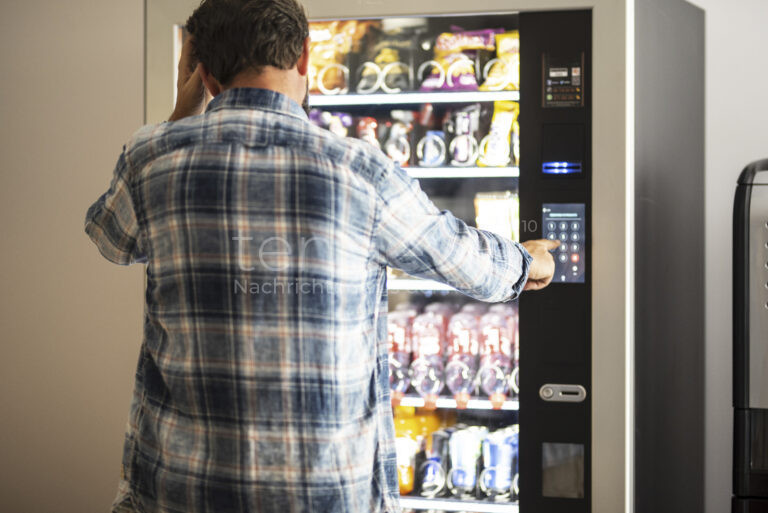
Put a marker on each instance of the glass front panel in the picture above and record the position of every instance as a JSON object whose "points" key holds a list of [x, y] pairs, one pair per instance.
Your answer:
{"points": [[439, 95]]}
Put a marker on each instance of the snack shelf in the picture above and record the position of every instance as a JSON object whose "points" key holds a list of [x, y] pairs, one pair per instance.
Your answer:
{"points": [[423, 503], [339, 100], [463, 172], [416, 284], [450, 403]]}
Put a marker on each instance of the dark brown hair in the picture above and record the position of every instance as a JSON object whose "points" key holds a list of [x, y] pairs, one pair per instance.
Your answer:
{"points": [[235, 35]]}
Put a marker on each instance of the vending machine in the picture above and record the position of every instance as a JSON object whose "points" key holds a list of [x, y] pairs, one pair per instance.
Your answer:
{"points": [[520, 118]]}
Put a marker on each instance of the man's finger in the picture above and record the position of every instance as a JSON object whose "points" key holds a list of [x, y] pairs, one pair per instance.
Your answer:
{"points": [[533, 285], [552, 244]]}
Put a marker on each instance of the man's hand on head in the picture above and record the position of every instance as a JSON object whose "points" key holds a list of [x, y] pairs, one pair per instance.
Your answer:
{"points": [[542, 266], [191, 95]]}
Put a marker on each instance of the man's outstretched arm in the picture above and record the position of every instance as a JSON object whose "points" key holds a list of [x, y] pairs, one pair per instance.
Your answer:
{"points": [[413, 235]]}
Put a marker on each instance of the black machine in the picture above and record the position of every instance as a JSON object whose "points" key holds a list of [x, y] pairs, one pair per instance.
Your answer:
{"points": [[750, 340]]}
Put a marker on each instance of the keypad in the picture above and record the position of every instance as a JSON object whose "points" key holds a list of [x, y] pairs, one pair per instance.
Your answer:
{"points": [[565, 222]]}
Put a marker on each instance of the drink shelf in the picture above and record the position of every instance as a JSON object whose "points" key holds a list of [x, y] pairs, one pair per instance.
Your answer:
{"points": [[339, 100], [449, 402], [416, 284], [463, 172], [445, 504]]}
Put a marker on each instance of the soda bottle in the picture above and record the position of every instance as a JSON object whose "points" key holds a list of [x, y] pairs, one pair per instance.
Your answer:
{"points": [[510, 313], [462, 350], [495, 358], [475, 309], [399, 342], [444, 311], [427, 375]]}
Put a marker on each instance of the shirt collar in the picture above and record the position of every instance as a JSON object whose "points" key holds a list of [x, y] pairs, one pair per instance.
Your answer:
{"points": [[254, 98]]}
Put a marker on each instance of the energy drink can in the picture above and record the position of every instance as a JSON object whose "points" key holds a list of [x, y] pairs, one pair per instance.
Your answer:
{"points": [[500, 450], [464, 448], [433, 470]]}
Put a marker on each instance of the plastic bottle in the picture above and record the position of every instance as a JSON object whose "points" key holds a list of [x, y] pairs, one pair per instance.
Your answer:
{"points": [[510, 312], [475, 309], [427, 376], [462, 350], [406, 447], [495, 358], [399, 342]]}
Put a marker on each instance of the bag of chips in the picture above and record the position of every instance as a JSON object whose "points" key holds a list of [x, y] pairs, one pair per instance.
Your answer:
{"points": [[455, 58], [497, 149], [503, 72], [330, 44]]}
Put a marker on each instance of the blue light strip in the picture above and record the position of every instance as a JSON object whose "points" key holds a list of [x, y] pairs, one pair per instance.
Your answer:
{"points": [[560, 168]]}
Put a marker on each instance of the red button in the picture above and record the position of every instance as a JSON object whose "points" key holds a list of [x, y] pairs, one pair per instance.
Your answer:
{"points": [[575, 258]]}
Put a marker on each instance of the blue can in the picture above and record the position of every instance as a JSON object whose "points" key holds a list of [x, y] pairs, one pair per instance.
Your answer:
{"points": [[500, 455]]}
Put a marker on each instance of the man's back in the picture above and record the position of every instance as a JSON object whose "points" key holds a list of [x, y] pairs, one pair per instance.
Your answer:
{"points": [[260, 331], [262, 383]]}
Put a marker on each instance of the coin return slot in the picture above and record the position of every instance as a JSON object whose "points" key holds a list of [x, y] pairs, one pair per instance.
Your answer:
{"points": [[562, 393]]}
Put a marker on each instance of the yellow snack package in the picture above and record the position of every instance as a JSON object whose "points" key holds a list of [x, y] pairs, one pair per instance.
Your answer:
{"points": [[503, 72], [330, 43], [500, 146]]}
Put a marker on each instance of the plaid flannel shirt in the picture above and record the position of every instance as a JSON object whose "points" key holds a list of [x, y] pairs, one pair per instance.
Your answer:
{"points": [[262, 381]]}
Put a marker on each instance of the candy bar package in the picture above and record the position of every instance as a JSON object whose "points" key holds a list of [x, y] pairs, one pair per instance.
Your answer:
{"points": [[501, 146], [503, 72], [456, 57]]}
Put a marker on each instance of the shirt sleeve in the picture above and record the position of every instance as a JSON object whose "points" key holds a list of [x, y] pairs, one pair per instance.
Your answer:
{"points": [[416, 237], [111, 221]]}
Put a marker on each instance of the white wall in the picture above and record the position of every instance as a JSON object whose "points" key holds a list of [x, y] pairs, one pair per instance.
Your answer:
{"points": [[736, 133], [72, 93]]}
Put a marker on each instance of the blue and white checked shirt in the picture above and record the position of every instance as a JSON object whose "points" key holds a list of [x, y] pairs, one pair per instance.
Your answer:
{"points": [[262, 380]]}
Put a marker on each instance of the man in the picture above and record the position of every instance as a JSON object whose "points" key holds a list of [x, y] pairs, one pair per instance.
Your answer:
{"points": [[262, 383]]}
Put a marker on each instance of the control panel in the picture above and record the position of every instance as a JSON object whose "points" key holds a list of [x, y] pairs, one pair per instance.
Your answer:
{"points": [[566, 222]]}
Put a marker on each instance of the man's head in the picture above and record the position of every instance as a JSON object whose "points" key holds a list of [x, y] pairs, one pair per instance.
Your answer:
{"points": [[253, 38]]}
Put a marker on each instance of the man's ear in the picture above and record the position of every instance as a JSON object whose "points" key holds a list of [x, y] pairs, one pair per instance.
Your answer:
{"points": [[302, 66], [209, 81]]}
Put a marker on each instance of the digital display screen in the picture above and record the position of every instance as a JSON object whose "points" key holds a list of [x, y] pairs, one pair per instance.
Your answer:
{"points": [[566, 222]]}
